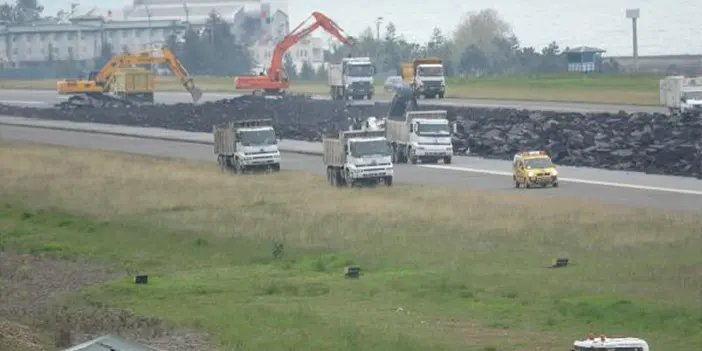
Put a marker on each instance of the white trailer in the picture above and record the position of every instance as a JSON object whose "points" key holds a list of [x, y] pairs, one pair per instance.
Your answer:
{"points": [[351, 79], [681, 94], [358, 158], [421, 136], [246, 145]]}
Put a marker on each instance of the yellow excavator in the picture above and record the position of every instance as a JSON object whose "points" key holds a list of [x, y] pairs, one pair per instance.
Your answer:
{"points": [[121, 82]]}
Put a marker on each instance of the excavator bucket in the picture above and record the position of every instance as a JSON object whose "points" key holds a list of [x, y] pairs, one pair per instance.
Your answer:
{"points": [[196, 93]]}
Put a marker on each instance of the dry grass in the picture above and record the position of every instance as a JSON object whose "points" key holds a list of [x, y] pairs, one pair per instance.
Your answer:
{"points": [[468, 264], [612, 89]]}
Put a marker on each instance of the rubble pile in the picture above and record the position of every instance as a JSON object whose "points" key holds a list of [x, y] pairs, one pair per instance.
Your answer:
{"points": [[652, 143]]}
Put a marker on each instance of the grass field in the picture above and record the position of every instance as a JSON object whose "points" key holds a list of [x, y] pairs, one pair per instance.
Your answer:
{"points": [[641, 89], [443, 270]]}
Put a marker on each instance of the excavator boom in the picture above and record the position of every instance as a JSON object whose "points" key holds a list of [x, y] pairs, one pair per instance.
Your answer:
{"points": [[99, 84], [275, 78]]}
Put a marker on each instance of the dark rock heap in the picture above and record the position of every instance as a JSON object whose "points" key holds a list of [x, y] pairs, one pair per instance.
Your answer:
{"points": [[653, 143]]}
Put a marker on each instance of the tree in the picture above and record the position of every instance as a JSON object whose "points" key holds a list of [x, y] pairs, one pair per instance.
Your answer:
{"points": [[321, 74], [22, 11], [214, 51], [289, 66], [307, 71]]}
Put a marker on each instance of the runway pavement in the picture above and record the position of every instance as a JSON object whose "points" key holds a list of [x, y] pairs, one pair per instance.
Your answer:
{"points": [[611, 187], [47, 98]]}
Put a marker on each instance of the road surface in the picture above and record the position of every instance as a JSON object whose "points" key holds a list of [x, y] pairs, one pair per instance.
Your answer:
{"points": [[47, 98], [610, 187]]}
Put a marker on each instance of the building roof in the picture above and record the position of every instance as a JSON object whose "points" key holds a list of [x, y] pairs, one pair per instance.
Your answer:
{"points": [[107, 342], [584, 49], [87, 26], [189, 10]]}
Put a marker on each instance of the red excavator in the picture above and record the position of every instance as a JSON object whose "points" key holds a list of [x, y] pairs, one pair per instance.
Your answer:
{"points": [[275, 81]]}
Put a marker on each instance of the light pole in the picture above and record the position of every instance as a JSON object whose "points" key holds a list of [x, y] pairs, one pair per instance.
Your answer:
{"points": [[634, 15], [378, 21]]}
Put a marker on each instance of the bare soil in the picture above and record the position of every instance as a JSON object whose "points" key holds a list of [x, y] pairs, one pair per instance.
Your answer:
{"points": [[34, 317]]}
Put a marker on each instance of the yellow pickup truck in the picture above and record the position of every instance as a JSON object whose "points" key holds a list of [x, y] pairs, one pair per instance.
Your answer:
{"points": [[531, 168]]}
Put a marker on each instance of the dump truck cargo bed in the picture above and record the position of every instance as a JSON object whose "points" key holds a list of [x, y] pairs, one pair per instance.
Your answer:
{"points": [[333, 152]]}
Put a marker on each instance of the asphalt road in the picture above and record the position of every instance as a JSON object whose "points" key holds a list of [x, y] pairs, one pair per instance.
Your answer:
{"points": [[661, 192], [47, 98]]}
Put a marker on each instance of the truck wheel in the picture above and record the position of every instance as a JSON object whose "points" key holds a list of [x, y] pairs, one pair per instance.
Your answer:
{"points": [[555, 185], [412, 158], [221, 163], [340, 181], [527, 185], [441, 95], [447, 160], [276, 168], [370, 96], [388, 181], [330, 177], [238, 169]]}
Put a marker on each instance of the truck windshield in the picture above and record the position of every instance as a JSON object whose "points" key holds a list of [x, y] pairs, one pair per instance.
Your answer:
{"points": [[359, 70], [424, 129], [693, 95], [431, 71], [370, 148], [258, 137], [538, 163]]}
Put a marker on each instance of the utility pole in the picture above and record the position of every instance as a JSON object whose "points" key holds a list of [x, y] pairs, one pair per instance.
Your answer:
{"points": [[378, 21], [634, 15]]}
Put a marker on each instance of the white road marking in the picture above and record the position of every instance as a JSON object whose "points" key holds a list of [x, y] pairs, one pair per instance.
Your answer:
{"points": [[24, 102], [571, 180]]}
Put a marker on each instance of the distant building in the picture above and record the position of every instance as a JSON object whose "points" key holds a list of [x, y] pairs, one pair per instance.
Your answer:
{"points": [[309, 49], [256, 21], [584, 59], [79, 40]]}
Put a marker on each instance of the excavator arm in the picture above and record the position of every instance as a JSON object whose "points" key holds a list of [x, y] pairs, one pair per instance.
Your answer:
{"points": [[299, 33], [275, 79]]}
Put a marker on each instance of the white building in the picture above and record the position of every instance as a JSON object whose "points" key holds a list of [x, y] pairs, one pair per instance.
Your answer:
{"points": [[309, 49], [79, 40], [261, 22]]}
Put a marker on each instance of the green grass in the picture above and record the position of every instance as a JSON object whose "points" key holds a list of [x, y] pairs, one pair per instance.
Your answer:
{"points": [[635, 89], [443, 270]]}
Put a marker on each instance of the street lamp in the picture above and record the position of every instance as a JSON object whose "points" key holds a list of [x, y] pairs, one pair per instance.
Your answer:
{"points": [[378, 21], [634, 15]]}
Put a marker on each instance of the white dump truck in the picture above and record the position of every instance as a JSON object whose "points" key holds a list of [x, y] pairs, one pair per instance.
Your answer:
{"points": [[681, 94], [422, 136], [425, 76], [358, 157], [246, 145], [352, 79]]}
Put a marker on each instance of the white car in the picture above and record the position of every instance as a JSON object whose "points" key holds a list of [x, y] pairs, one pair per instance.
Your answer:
{"points": [[391, 83]]}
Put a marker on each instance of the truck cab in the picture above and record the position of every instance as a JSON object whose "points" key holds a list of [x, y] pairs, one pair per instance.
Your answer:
{"points": [[352, 79], [358, 157], [247, 145], [426, 75], [681, 94], [532, 168], [610, 344]]}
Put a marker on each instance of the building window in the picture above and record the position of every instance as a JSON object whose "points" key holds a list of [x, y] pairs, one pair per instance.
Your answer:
{"points": [[42, 36], [71, 36], [137, 33], [124, 34], [57, 36], [14, 51], [29, 51]]}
